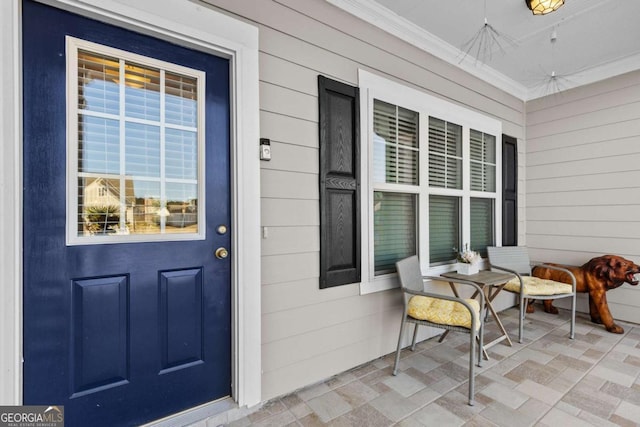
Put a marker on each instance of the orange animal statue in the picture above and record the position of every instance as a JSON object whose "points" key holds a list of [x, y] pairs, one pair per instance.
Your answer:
{"points": [[597, 276]]}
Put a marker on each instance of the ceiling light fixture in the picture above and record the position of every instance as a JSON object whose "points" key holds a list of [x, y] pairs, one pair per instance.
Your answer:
{"points": [[542, 7]]}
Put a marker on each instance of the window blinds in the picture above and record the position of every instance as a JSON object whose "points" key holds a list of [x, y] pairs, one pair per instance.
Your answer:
{"points": [[444, 228], [395, 144], [483, 161], [394, 229], [482, 234], [445, 154]]}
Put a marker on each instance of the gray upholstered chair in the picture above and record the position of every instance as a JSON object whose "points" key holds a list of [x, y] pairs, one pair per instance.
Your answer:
{"points": [[515, 259], [440, 311]]}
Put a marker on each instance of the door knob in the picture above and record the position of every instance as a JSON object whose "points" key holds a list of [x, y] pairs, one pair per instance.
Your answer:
{"points": [[222, 253]]}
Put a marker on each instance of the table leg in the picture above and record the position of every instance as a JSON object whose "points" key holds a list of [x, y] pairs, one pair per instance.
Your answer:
{"points": [[487, 280], [505, 335], [490, 296], [454, 289]]}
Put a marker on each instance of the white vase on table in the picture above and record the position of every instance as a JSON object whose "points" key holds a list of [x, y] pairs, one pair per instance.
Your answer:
{"points": [[467, 269]]}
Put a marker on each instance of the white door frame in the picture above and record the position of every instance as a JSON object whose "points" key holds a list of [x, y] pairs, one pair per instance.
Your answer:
{"points": [[190, 24]]}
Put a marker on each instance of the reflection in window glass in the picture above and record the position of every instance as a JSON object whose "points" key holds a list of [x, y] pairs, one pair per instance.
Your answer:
{"points": [[99, 205], [181, 95], [142, 150], [137, 169], [98, 145], [181, 148], [142, 92], [182, 207], [98, 88]]}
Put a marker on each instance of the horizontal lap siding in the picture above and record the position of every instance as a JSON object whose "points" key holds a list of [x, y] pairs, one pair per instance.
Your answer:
{"points": [[290, 240], [309, 334], [285, 296], [583, 179]]}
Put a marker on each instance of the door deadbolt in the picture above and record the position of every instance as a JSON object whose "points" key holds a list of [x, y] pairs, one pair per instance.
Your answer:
{"points": [[222, 229], [222, 253]]}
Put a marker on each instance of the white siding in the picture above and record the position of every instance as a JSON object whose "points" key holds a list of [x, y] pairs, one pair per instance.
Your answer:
{"points": [[583, 179], [309, 334]]}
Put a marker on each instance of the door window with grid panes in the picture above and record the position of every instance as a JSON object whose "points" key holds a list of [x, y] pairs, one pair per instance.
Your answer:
{"points": [[136, 138]]}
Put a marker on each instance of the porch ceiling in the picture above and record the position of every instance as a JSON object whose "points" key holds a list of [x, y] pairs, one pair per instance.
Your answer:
{"points": [[595, 39]]}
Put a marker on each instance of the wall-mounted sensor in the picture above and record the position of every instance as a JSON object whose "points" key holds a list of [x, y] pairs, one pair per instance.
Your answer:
{"points": [[265, 149]]}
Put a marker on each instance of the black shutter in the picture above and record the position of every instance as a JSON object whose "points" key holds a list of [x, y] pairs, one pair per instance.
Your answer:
{"points": [[339, 183], [509, 191]]}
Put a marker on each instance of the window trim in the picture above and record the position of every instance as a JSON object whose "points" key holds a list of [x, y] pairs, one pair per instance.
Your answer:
{"points": [[373, 87], [73, 45]]}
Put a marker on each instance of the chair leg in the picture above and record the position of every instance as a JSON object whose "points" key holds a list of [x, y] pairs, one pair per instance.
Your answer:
{"points": [[395, 365], [481, 344], [472, 363], [523, 310], [415, 335], [573, 316]]}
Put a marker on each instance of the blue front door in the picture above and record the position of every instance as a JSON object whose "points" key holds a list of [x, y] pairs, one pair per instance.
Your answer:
{"points": [[127, 308]]}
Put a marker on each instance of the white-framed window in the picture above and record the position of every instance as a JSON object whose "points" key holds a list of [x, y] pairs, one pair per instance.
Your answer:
{"points": [[135, 147], [395, 184], [429, 177]]}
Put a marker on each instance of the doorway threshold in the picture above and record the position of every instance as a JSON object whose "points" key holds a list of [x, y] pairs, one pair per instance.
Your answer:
{"points": [[219, 412]]}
